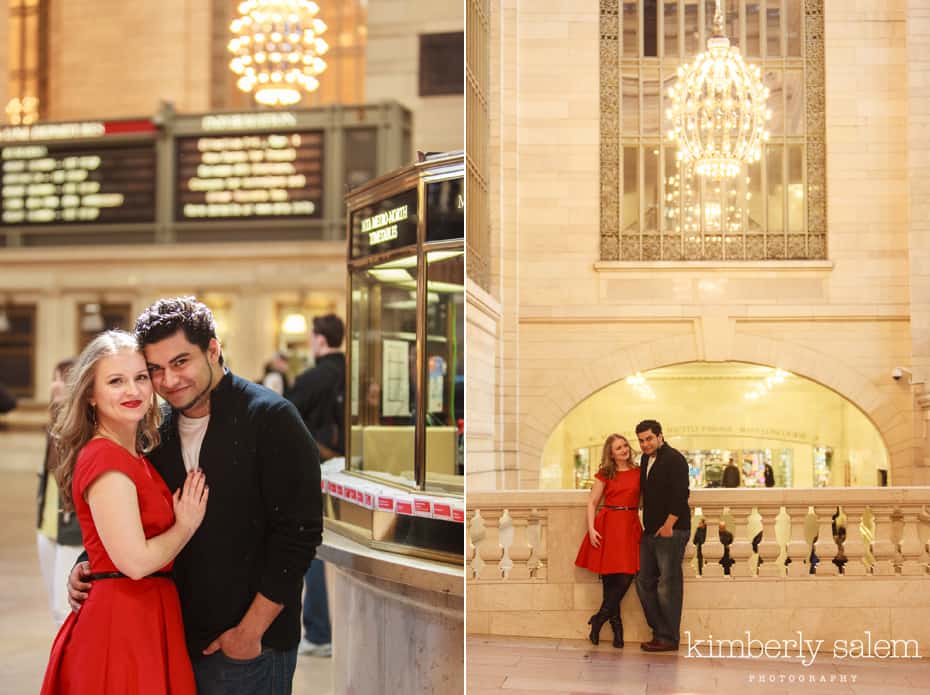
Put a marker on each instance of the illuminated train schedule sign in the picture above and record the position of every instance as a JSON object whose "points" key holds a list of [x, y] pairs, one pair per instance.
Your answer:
{"points": [[248, 176], [47, 184]]}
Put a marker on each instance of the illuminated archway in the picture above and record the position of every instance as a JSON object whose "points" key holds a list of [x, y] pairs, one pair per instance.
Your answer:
{"points": [[755, 415]]}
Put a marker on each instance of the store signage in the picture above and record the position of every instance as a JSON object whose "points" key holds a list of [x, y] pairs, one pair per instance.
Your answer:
{"points": [[388, 224], [42, 132], [65, 184], [383, 226], [249, 121], [261, 175]]}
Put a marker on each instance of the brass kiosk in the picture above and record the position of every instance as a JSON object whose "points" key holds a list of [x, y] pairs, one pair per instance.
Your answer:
{"points": [[394, 506]]}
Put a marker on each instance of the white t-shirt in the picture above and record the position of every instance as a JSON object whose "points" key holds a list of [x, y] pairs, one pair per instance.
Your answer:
{"points": [[652, 460], [192, 431]]}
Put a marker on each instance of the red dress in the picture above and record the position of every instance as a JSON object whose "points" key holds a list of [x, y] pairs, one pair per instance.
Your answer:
{"points": [[620, 529], [128, 638]]}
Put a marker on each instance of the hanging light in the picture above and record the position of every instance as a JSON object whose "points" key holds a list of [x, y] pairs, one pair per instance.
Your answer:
{"points": [[719, 108], [277, 47], [294, 323]]}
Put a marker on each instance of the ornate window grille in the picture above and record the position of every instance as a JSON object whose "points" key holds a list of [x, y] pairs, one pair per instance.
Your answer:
{"points": [[654, 208]]}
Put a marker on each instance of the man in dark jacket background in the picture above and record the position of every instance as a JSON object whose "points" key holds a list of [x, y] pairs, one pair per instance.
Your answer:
{"points": [[666, 530], [319, 395]]}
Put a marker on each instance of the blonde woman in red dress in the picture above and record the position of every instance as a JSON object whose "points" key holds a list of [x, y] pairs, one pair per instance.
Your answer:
{"points": [[611, 546], [128, 636]]}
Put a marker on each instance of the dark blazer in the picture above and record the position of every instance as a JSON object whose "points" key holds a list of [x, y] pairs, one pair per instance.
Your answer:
{"points": [[665, 490], [264, 517]]}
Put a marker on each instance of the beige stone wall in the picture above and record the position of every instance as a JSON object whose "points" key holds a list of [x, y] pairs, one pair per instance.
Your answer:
{"points": [[110, 58], [392, 67], [579, 324]]}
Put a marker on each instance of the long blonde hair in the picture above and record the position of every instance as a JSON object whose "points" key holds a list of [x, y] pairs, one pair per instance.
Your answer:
{"points": [[608, 466], [75, 421]]}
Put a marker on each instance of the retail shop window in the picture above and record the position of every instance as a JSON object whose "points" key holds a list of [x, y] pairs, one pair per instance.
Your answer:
{"points": [[655, 207], [737, 425], [442, 67], [18, 349], [94, 318]]}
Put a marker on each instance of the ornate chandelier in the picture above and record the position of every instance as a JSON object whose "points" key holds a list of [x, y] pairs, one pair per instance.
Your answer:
{"points": [[277, 49], [719, 108]]}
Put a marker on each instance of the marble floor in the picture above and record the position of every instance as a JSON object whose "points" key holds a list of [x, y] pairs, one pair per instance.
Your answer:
{"points": [[510, 666], [26, 627]]}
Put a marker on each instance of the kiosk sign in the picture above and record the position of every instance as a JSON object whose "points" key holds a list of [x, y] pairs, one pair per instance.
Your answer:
{"points": [[385, 225]]}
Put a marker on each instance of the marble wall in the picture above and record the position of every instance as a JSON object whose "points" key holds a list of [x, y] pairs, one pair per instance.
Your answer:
{"points": [[571, 324]]}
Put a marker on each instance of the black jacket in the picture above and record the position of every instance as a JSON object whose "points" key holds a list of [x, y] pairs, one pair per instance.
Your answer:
{"points": [[7, 400], [69, 530], [665, 490], [319, 396], [264, 517]]}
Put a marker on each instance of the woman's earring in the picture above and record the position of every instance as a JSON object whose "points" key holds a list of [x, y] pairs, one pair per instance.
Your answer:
{"points": [[93, 414]]}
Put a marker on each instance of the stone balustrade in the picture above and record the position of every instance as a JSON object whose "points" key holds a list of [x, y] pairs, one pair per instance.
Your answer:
{"points": [[769, 557]]}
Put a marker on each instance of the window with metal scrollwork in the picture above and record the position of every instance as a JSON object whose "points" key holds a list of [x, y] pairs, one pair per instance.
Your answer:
{"points": [[654, 207]]}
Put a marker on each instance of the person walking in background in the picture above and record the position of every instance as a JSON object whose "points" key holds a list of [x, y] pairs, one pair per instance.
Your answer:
{"points": [[611, 546], [128, 637], [59, 534], [666, 529], [275, 376], [319, 395], [731, 475], [239, 579]]}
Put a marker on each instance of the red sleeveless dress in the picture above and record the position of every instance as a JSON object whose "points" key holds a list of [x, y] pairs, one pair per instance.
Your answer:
{"points": [[620, 529], [128, 638]]}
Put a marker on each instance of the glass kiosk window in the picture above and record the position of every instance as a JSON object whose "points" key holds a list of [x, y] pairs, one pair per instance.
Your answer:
{"points": [[384, 370]]}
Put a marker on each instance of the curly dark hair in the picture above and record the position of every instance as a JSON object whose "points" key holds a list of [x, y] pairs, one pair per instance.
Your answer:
{"points": [[167, 316]]}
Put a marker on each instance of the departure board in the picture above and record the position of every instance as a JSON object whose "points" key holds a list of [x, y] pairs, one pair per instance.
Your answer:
{"points": [[250, 176], [46, 184]]}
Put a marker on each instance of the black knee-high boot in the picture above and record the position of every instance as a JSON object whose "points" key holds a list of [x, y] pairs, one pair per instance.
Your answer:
{"points": [[597, 620], [617, 585]]}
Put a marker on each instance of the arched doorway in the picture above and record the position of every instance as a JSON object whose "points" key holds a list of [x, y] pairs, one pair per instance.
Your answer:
{"points": [[714, 412]]}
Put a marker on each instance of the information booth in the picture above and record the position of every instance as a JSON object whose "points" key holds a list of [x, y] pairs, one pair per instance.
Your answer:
{"points": [[394, 505]]}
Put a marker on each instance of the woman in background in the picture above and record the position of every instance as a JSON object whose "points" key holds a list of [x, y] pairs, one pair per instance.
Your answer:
{"points": [[59, 535], [128, 636], [611, 546]]}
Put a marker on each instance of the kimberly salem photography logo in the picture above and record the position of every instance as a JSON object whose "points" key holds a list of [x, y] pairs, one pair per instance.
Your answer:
{"points": [[803, 649]]}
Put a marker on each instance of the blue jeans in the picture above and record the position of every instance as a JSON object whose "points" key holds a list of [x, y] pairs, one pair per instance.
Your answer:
{"points": [[660, 583], [316, 605], [270, 673]]}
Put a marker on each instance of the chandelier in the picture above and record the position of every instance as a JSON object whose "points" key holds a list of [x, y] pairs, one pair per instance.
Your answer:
{"points": [[277, 49], [719, 108]]}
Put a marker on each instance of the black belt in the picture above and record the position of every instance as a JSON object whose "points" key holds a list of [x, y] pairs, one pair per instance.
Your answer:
{"points": [[621, 509], [119, 575]]}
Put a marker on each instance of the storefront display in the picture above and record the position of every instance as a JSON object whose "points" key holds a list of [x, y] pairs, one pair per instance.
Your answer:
{"points": [[403, 482]]}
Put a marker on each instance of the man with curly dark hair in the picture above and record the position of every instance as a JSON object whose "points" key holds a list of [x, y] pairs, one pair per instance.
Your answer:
{"points": [[240, 577]]}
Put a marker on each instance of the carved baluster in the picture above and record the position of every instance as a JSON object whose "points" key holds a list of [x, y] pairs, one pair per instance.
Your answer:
{"points": [[782, 531], [812, 536], [923, 531], [519, 550], [754, 532], [505, 541], [883, 545], [855, 548], [489, 549], [798, 547], [698, 539], [726, 536], [712, 548], [476, 535], [535, 562], [911, 547], [867, 531], [769, 547]]}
